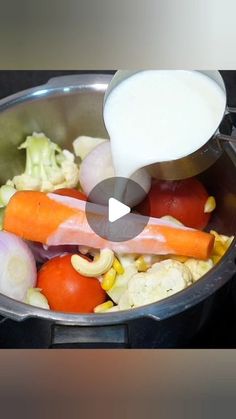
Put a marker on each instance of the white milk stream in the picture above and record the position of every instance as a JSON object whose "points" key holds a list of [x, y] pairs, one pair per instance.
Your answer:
{"points": [[161, 115]]}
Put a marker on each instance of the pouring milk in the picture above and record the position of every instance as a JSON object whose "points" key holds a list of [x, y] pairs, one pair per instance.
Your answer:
{"points": [[161, 115]]}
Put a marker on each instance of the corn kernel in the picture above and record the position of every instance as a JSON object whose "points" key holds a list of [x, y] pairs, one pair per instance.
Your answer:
{"points": [[118, 267], [141, 264], [223, 238], [215, 258], [108, 279], [217, 236], [210, 204], [229, 241], [101, 308], [219, 249]]}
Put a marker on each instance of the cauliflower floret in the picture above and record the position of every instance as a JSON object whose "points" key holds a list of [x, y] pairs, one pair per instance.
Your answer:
{"points": [[26, 182], [127, 259], [198, 268], [125, 303], [69, 170], [129, 262], [47, 166], [160, 281]]}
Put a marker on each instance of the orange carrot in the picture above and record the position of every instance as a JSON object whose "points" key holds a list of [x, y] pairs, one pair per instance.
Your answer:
{"points": [[34, 216], [55, 220]]}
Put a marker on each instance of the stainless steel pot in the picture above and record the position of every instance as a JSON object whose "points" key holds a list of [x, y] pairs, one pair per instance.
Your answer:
{"points": [[64, 108]]}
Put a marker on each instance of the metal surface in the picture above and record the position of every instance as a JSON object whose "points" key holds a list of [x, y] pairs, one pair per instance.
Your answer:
{"points": [[66, 108], [106, 335]]}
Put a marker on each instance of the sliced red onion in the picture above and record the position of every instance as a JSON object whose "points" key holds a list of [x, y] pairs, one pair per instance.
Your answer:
{"points": [[17, 267], [43, 253]]}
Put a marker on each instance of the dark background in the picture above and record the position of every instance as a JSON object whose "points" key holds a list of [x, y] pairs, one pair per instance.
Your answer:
{"points": [[12, 81]]}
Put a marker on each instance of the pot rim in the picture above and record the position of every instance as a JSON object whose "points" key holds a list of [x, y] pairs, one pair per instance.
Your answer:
{"points": [[170, 306]]}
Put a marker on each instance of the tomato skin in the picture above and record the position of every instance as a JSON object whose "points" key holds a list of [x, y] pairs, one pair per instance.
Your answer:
{"points": [[182, 199], [72, 192], [66, 290]]}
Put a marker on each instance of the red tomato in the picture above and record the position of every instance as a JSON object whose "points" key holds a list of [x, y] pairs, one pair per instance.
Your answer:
{"points": [[182, 199], [73, 193], [67, 290]]}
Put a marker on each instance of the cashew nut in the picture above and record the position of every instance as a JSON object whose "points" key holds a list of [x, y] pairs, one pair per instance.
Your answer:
{"points": [[95, 268]]}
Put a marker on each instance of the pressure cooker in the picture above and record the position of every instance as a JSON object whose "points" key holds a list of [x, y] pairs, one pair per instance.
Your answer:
{"points": [[65, 108]]}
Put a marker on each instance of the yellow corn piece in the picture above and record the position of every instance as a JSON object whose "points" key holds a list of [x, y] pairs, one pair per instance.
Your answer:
{"points": [[217, 236], [229, 241], [102, 308], [215, 258], [108, 279], [219, 249], [210, 204], [141, 264], [118, 267], [222, 238]]}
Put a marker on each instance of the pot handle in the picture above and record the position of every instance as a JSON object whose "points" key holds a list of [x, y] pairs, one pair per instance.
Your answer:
{"points": [[223, 137], [100, 81], [112, 336]]}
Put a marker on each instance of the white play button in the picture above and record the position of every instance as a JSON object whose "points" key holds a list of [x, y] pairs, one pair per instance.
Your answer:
{"points": [[116, 223], [116, 209]]}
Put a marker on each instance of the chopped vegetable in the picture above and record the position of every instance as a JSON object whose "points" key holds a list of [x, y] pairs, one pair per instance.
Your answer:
{"points": [[221, 245], [1, 218], [61, 220], [84, 144], [102, 308], [160, 281], [183, 199], [121, 283], [67, 290], [141, 264], [98, 166], [47, 166], [42, 253], [210, 204], [108, 279], [118, 267], [150, 265], [198, 268], [17, 267], [35, 298], [125, 303], [47, 215], [6, 192]]}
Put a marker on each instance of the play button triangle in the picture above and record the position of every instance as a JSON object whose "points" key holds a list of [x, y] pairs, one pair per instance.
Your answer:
{"points": [[116, 209], [113, 220]]}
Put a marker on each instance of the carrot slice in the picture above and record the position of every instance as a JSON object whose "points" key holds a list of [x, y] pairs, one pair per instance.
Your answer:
{"points": [[34, 216], [44, 218]]}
